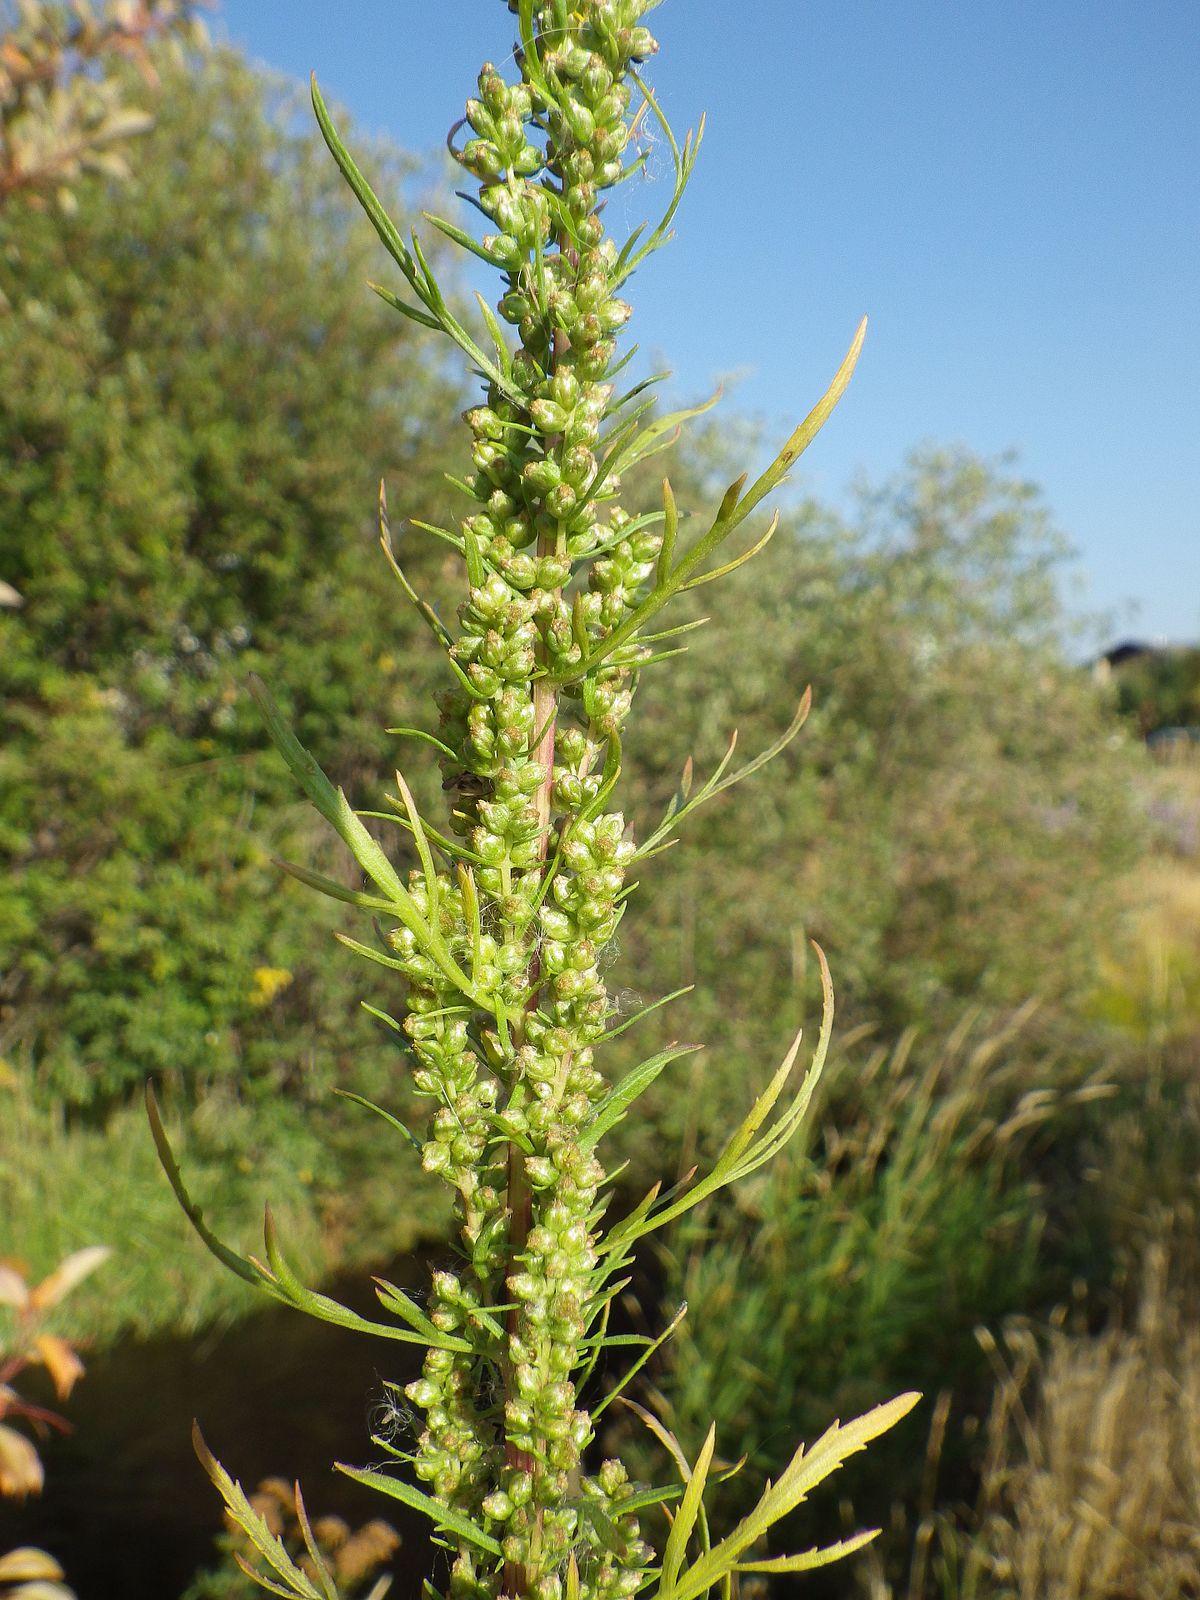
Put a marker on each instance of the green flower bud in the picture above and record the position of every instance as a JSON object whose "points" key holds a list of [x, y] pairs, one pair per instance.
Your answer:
{"points": [[515, 1549], [593, 363], [561, 501], [541, 476], [492, 89], [481, 157], [482, 120], [637, 44], [580, 198], [596, 80], [579, 467], [519, 531], [504, 252], [553, 571], [498, 203], [515, 306], [578, 167], [547, 416], [579, 119], [565, 389], [614, 315], [435, 1158], [528, 160], [540, 1172]]}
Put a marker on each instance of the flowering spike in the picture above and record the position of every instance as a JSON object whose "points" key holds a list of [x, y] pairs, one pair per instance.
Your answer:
{"points": [[497, 935]]}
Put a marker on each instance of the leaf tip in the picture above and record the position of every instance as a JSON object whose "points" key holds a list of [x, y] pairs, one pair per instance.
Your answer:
{"points": [[203, 1454]]}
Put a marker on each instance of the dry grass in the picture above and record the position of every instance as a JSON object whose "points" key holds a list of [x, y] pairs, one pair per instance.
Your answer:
{"points": [[1091, 1481]]}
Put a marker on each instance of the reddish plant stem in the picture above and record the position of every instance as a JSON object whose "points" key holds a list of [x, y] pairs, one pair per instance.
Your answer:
{"points": [[520, 1200]]}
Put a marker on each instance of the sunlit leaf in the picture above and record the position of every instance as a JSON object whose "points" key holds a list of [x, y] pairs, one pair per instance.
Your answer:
{"points": [[20, 1465], [67, 1276], [61, 1362]]}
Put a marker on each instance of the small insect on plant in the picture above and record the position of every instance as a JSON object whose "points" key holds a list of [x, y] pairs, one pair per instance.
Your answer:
{"points": [[493, 940]]}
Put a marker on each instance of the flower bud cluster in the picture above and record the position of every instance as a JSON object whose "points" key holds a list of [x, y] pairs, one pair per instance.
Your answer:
{"points": [[449, 1070], [511, 1064]]}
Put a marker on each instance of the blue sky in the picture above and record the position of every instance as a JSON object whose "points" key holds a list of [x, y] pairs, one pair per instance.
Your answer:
{"points": [[1011, 191]]}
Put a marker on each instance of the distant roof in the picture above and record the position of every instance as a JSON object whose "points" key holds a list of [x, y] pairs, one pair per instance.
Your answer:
{"points": [[1131, 649], [1128, 650]]}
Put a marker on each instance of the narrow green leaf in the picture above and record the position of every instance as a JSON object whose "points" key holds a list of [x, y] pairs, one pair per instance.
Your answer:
{"points": [[403, 307], [434, 622], [579, 623], [745, 1150], [324, 1577], [476, 571], [529, 51], [432, 891], [495, 333], [738, 561], [363, 193], [673, 633], [330, 802], [685, 1517], [449, 847], [809, 1559], [803, 1473], [636, 663], [459, 236], [639, 1016], [364, 950], [260, 1578], [761, 1108], [328, 1310], [470, 900], [402, 1305], [444, 534], [666, 553], [441, 1516], [664, 430], [645, 1498], [804, 435], [252, 1524], [730, 498], [638, 389], [241, 1265], [369, 1105], [719, 782], [631, 1374], [426, 738], [665, 1437], [733, 512], [685, 160], [337, 891], [597, 1344], [613, 1107]]}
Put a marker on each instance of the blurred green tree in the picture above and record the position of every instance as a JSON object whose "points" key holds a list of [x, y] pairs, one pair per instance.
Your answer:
{"points": [[1160, 688], [197, 396], [954, 823]]}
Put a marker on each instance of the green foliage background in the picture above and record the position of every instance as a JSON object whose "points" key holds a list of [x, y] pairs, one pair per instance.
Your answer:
{"points": [[197, 400]]}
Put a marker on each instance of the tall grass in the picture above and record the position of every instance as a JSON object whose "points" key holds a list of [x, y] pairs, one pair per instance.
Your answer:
{"points": [[921, 1215], [1091, 1472], [64, 1186]]}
